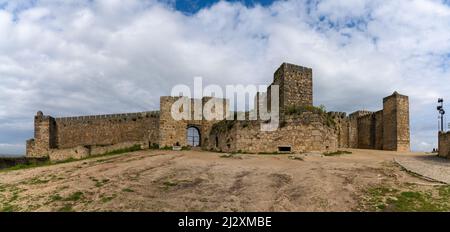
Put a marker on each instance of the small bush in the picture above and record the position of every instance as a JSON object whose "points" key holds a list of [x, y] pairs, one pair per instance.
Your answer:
{"points": [[154, 146], [167, 148], [302, 109]]}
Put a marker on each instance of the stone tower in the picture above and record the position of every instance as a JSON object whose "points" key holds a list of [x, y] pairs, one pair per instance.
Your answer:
{"points": [[44, 136], [396, 122], [295, 86]]}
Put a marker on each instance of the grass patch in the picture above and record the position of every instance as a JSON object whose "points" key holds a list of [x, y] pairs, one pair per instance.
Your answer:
{"points": [[410, 200], [37, 180], [270, 153], [66, 208], [8, 208], [76, 196], [170, 183], [106, 199], [56, 197], [100, 183], [135, 147], [335, 153], [128, 190], [7, 204], [26, 166]]}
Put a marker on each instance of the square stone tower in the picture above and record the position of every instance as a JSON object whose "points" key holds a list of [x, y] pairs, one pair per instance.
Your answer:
{"points": [[44, 136], [295, 86], [396, 123]]}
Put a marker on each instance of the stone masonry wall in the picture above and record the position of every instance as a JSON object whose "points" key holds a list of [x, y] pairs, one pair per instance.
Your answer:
{"points": [[386, 129], [403, 134], [81, 152], [342, 128], [365, 132], [396, 123], [444, 144], [107, 129], [305, 132], [62, 133], [378, 116], [44, 136], [295, 86], [353, 131], [174, 132]]}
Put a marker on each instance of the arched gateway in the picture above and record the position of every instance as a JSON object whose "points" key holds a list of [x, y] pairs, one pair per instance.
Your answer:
{"points": [[193, 136]]}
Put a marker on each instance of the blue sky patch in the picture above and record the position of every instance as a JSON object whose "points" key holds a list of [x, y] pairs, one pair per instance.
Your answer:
{"points": [[193, 6]]}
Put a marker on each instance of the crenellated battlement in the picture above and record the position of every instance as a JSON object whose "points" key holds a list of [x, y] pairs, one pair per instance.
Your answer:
{"points": [[360, 113], [152, 114], [335, 114]]}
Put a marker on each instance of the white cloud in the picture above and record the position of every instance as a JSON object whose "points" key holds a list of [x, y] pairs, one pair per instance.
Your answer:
{"points": [[83, 57]]}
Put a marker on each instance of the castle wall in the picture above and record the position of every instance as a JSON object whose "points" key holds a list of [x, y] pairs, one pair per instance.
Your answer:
{"points": [[295, 87], [107, 129], [365, 132], [403, 134], [174, 132], [302, 127], [444, 144], [389, 126], [353, 131], [171, 131], [223, 136], [370, 130], [342, 125], [44, 136], [378, 117], [81, 152], [63, 133], [305, 132], [396, 123]]}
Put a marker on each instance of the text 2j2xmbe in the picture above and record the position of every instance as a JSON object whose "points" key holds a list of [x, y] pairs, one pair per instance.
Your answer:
{"points": [[225, 222]]}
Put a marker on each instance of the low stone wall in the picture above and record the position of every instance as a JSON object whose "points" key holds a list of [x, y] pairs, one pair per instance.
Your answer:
{"points": [[299, 133], [444, 145], [81, 152], [99, 150]]}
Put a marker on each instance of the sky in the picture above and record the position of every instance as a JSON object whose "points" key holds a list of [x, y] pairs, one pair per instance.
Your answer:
{"points": [[82, 57]]}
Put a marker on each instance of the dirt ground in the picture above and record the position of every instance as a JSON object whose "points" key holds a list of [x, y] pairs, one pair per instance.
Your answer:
{"points": [[158, 180]]}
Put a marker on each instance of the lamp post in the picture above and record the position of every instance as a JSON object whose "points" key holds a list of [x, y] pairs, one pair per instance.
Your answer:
{"points": [[441, 110]]}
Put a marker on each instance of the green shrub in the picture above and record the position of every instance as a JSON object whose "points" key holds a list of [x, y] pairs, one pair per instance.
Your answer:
{"points": [[154, 146]]}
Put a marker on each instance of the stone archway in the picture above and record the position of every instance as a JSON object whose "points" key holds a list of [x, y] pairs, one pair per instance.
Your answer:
{"points": [[193, 136]]}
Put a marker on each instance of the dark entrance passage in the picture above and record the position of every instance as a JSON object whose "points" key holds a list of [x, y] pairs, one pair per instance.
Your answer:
{"points": [[193, 136]]}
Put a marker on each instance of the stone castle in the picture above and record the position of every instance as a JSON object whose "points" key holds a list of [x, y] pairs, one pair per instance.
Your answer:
{"points": [[302, 126]]}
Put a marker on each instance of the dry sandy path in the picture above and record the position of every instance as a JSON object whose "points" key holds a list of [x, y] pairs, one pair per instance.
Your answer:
{"points": [[157, 180]]}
